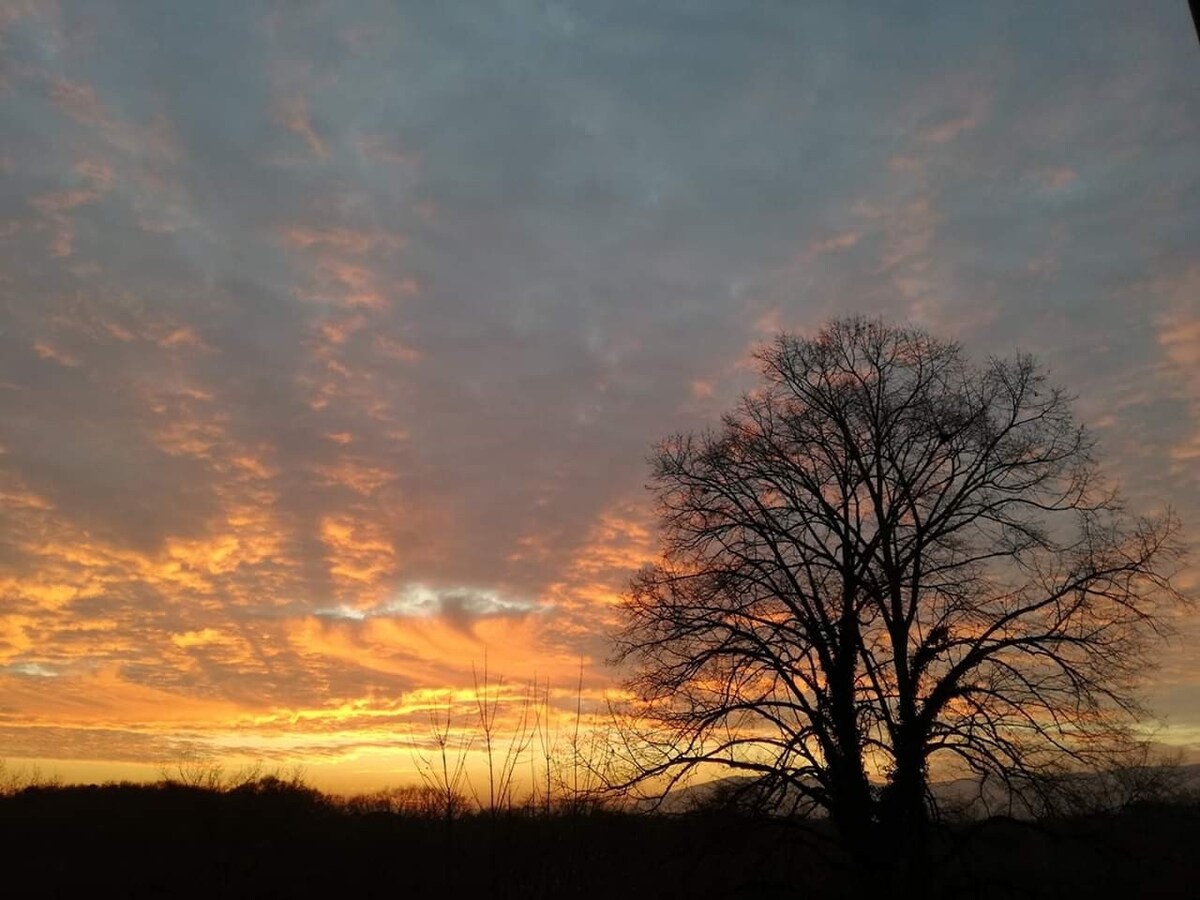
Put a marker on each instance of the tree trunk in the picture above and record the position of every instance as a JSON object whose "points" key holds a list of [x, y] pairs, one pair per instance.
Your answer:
{"points": [[905, 828]]}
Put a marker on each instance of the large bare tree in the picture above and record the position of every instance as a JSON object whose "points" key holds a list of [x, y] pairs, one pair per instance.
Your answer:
{"points": [[888, 556]]}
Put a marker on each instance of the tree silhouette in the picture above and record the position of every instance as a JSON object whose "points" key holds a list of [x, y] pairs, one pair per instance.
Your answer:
{"points": [[888, 557]]}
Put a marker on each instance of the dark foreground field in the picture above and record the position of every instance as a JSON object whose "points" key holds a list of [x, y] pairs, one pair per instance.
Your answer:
{"points": [[274, 839]]}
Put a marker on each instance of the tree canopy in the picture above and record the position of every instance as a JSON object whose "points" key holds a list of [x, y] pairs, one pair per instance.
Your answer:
{"points": [[886, 558]]}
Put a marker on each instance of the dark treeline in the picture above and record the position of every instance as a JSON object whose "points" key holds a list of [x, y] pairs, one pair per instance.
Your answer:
{"points": [[275, 837]]}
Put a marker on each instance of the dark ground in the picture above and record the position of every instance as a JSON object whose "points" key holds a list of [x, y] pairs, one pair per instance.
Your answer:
{"points": [[274, 839]]}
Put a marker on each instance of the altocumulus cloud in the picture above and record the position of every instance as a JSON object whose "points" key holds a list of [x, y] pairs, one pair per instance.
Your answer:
{"points": [[332, 339]]}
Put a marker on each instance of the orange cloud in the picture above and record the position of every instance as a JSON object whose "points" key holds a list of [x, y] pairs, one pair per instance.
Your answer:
{"points": [[843, 241], [46, 351], [949, 129], [357, 475], [185, 336], [620, 542], [359, 552], [344, 239], [202, 638], [435, 651], [80, 101], [291, 111], [974, 110], [56, 207], [338, 331], [1179, 336], [393, 349], [24, 498], [112, 701], [1060, 177]]}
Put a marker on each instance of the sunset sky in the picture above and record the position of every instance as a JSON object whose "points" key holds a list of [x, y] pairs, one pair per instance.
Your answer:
{"points": [[334, 336]]}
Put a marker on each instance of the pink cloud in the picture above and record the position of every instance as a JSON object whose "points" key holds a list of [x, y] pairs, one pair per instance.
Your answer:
{"points": [[48, 351], [842, 241], [1059, 177], [343, 239], [380, 149], [155, 140], [292, 113], [952, 127], [56, 207]]}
